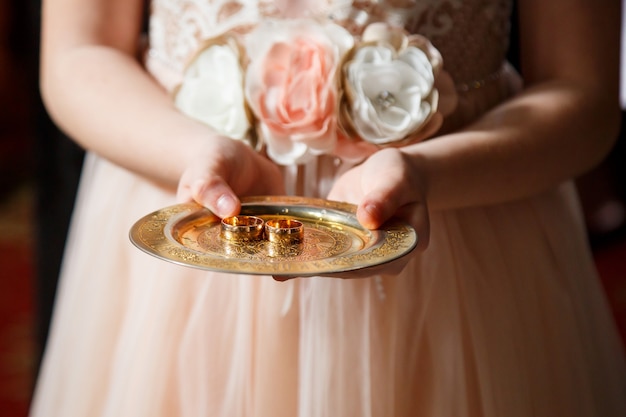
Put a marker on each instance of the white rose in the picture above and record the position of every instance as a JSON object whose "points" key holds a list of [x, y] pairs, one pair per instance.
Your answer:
{"points": [[212, 91], [391, 95], [393, 83]]}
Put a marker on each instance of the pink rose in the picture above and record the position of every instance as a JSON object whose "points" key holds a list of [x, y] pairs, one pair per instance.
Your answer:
{"points": [[291, 86]]}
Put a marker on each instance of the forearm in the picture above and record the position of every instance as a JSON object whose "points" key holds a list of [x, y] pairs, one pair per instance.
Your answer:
{"points": [[105, 101], [548, 134]]}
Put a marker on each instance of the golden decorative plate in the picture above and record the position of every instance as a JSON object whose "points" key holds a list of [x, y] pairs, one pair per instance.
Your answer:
{"points": [[334, 241]]}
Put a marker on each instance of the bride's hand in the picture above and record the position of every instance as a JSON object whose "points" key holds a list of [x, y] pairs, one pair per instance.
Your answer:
{"points": [[223, 170], [387, 184]]}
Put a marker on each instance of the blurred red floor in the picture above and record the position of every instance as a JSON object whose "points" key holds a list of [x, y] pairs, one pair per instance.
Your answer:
{"points": [[16, 303], [611, 263]]}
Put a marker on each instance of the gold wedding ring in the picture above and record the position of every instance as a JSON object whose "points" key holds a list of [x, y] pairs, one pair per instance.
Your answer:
{"points": [[242, 228], [283, 236], [284, 231]]}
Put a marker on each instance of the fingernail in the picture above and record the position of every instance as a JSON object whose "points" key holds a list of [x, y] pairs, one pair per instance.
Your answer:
{"points": [[370, 208], [370, 215], [226, 205]]}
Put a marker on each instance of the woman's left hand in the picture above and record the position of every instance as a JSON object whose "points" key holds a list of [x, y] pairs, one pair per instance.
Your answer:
{"points": [[388, 184]]}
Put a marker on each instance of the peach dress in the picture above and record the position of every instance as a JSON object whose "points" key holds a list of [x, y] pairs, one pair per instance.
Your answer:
{"points": [[503, 315]]}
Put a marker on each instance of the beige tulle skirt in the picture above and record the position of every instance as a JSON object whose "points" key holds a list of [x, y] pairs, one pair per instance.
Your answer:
{"points": [[503, 315]]}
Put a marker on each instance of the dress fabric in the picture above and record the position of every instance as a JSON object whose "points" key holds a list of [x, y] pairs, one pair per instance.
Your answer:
{"points": [[503, 314]]}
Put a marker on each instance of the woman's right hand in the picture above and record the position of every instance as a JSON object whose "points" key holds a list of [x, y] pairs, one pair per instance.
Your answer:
{"points": [[222, 171]]}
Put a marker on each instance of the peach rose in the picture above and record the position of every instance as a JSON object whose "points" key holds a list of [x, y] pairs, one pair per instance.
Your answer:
{"points": [[291, 85]]}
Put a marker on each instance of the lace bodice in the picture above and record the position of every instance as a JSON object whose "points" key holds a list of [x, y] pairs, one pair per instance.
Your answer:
{"points": [[472, 35]]}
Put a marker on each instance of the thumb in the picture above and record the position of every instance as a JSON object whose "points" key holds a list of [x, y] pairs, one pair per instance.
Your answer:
{"points": [[216, 195]]}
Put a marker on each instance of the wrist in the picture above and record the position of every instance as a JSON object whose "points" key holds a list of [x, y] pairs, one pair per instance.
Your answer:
{"points": [[420, 176]]}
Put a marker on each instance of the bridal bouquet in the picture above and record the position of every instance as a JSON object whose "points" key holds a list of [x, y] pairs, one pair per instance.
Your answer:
{"points": [[305, 87]]}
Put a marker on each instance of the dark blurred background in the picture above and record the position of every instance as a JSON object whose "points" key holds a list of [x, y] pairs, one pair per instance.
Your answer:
{"points": [[39, 171]]}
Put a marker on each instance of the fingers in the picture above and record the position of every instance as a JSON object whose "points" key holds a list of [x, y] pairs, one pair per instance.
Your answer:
{"points": [[283, 278], [217, 196], [269, 180], [373, 213], [217, 179], [213, 193], [416, 215], [395, 190], [375, 210], [387, 191]]}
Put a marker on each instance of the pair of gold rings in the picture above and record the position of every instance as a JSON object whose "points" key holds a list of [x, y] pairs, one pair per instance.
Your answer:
{"points": [[251, 228]]}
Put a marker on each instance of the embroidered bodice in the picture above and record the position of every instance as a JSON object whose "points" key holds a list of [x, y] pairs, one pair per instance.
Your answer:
{"points": [[472, 35]]}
